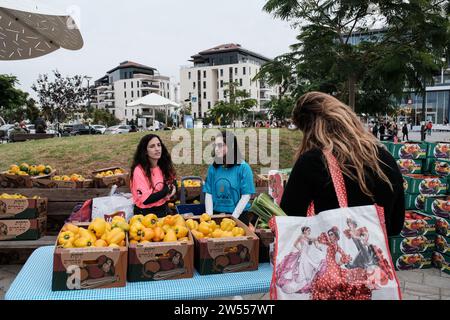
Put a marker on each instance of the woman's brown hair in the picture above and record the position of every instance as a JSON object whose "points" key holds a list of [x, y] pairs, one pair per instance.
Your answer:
{"points": [[331, 126]]}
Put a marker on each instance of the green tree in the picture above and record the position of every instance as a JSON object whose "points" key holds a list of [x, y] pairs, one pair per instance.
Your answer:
{"points": [[61, 97], [31, 112], [12, 100], [406, 52], [281, 108], [103, 117], [237, 105]]}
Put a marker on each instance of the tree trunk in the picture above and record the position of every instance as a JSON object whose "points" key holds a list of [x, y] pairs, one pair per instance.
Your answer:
{"points": [[351, 92]]}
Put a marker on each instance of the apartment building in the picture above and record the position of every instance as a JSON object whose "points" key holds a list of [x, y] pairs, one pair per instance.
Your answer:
{"points": [[128, 82], [205, 83]]}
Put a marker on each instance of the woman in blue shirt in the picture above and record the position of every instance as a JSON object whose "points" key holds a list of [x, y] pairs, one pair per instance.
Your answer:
{"points": [[229, 183]]}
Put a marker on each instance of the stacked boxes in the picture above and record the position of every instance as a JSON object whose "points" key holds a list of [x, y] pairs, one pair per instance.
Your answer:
{"points": [[22, 218], [414, 248]]}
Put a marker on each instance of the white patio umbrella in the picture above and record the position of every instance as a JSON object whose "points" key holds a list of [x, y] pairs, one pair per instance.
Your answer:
{"points": [[29, 30], [153, 101]]}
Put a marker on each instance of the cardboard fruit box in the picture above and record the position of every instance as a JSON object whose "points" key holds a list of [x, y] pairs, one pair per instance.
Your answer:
{"points": [[439, 150], [442, 226], [161, 261], [418, 224], [24, 229], [23, 208], [226, 255], [419, 244], [413, 261], [438, 206], [89, 268], [266, 238], [442, 244], [262, 181], [441, 261], [410, 166], [409, 150], [425, 184], [15, 181], [415, 201], [441, 168], [48, 183], [107, 182]]}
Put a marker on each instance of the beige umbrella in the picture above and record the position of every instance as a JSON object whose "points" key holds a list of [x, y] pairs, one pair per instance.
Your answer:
{"points": [[28, 30]]}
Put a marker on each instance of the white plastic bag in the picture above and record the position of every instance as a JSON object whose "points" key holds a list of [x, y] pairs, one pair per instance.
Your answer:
{"points": [[105, 207]]}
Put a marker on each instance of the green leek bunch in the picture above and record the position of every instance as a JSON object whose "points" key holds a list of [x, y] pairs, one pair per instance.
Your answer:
{"points": [[265, 208]]}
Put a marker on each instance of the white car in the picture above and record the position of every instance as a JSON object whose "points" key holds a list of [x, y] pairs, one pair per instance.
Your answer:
{"points": [[100, 128], [5, 131], [31, 128], [118, 129]]}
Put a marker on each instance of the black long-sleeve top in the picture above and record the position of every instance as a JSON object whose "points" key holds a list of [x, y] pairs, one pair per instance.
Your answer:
{"points": [[311, 181]]}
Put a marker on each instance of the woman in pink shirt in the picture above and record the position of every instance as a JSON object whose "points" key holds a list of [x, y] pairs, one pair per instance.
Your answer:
{"points": [[152, 177]]}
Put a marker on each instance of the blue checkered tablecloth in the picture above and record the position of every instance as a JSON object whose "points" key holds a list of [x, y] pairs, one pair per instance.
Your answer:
{"points": [[34, 282]]}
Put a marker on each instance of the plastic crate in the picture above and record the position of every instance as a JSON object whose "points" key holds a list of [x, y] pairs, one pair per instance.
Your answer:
{"points": [[195, 209]]}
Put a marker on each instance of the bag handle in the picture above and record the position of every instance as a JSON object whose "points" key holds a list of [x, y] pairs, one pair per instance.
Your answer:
{"points": [[338, 182]]}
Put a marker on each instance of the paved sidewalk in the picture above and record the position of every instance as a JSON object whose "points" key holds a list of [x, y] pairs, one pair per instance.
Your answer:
{"points": [[431, 284]]}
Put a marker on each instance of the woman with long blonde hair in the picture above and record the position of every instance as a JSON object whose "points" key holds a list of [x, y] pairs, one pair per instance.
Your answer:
{"points": [[371, 174]]}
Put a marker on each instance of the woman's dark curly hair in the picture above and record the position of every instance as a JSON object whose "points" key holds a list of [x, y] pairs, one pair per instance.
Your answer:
{"points": [[165, 162]]}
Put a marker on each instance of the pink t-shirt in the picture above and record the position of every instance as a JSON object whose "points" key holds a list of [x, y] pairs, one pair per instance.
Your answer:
{"points": [[141, 188]]}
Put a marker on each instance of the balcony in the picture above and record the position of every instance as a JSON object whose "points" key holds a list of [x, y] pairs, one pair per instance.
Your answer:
{"points": [[149, 86]]}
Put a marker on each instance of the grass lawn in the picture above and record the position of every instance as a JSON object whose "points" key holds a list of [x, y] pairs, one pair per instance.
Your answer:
{"points": [[84, 154]]}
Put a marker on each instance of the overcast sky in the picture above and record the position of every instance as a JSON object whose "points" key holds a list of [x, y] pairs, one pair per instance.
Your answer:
{"points": [[163, 34]]}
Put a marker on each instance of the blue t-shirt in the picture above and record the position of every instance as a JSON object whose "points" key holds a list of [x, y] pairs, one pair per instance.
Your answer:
{"points": [[228, 185]]}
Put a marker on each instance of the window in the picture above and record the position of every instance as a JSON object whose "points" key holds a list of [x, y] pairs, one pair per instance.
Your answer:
{"points": [[124, 85], [221, 83], [138, 84], [204, 74], [193, 85], [132, 85], [125, 112], [190, 95], [189, 75], [209, 105], [195, 115], [132, 112], [221, 72], [240, 82], [243, 71], [235, 71], [204, 95], [167, 86], [139, 94], [168, 95], [126, 102], [204, 84], [250, 70], [132, 94], [125, 93]]}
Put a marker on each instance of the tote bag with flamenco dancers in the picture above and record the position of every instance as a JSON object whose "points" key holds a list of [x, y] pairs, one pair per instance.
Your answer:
{"points": [[341, 254]]}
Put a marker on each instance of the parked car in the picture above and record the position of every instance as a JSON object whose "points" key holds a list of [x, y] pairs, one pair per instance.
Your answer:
{"points": [[31, 128], [67, 128], [118, 129], [83, 129], [100, 128], [5, 131]]}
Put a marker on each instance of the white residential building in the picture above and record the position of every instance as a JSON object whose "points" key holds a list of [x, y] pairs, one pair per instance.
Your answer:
{"points": [[128, 82], [205, 83]]}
